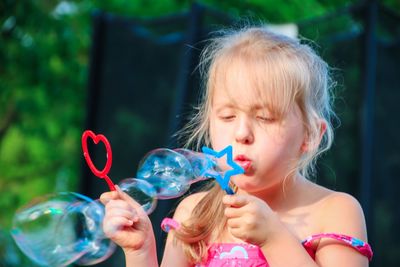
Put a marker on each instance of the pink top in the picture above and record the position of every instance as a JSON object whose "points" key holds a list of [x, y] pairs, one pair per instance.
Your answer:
{"points": [[248, 255], [235, 255]]}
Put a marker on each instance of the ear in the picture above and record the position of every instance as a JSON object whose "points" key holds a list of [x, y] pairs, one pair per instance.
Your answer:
{"points": [[308, 144]]}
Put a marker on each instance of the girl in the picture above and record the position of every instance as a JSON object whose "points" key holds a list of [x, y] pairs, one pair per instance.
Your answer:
{"points": [[268, 96]]}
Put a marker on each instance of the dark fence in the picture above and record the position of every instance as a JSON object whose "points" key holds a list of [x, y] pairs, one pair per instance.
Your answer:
{"points": [[143, 83]]}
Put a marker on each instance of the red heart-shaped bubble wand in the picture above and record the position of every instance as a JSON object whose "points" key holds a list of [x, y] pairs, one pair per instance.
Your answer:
{"points": [[96, 139]]}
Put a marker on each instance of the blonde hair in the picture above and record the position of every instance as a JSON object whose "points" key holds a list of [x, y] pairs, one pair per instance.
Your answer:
{"points": [[285, 72]]}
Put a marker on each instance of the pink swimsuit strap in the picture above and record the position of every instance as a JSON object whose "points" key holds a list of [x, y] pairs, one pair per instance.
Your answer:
{"points": [[359, 245]]}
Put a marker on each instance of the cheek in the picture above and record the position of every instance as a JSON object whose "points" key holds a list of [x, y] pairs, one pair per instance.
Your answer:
{"points": [[282, 143], [293, 142], [297, 135], [219, 136]]}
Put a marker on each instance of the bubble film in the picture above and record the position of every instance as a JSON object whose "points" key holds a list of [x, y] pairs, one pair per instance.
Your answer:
{"points": [[200, 163], [168, 171], [141, 191], [57, 230]]}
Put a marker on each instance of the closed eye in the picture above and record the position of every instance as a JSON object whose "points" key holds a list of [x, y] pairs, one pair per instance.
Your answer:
{"points": [[227, 118], [265, 119]]}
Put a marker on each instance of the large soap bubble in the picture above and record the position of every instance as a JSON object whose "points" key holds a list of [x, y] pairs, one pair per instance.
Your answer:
{"points": [[100, 247], [59, 229]]}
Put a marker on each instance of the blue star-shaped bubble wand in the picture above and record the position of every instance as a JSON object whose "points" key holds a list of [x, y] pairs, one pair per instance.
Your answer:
{"points": [[236, 169]]}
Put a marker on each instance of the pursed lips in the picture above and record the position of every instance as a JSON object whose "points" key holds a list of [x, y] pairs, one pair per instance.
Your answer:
{"points": [[244, 162]]}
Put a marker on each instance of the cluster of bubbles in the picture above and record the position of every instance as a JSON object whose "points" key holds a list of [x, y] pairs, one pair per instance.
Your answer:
{"points": [[65, 228]]}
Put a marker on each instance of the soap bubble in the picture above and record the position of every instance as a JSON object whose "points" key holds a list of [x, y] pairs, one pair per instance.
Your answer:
{"points": [[59, 229], [168, 171], [141, 191], [200, 163], [100, 247]]}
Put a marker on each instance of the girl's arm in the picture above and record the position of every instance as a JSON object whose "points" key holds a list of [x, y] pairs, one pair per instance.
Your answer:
{"points": [[341, 214], [143, 258]]}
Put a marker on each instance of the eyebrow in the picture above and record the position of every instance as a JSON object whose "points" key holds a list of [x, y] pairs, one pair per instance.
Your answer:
{"points": [[259, 107], [254, 108], [223, 105]]}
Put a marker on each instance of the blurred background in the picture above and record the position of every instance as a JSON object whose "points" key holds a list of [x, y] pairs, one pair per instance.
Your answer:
{"points": [[127, 69]]}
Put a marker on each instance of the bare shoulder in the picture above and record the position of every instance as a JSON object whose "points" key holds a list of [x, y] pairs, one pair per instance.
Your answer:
{"points": [[186, 206], [342, 213]]}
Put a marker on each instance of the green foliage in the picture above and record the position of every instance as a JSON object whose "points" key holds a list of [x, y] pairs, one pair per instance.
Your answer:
{"points": [[42, 101]]}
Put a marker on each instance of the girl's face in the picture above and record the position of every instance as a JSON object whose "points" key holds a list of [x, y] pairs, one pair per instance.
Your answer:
{"points": [[267, 148]]}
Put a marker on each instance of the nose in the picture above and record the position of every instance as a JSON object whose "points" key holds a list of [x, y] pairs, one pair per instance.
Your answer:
{"points": [[244, 132]]}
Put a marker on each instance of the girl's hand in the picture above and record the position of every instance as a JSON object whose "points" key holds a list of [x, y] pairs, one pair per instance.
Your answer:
{"points": [[249, 218], [125, 222]]}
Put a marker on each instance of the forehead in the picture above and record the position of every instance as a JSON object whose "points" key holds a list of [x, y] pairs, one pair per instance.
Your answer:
{"points": [[247, 83], [233, 85]]}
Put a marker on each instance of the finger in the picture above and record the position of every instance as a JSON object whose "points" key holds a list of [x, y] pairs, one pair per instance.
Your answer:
{"points": [[120, 212], [107, 196], [112, 225], [234, 223], [118, 221], [121, 204], [235, 200], [239, 233], [232, 212]]}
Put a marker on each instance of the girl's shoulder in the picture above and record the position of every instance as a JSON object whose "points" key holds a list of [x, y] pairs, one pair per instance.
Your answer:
{"points": [[341, 207], [328, 211], [329, 201], [340, 212]]}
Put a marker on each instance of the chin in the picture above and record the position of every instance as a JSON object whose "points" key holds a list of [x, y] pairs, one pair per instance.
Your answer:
{"points": [[242, 184]]}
